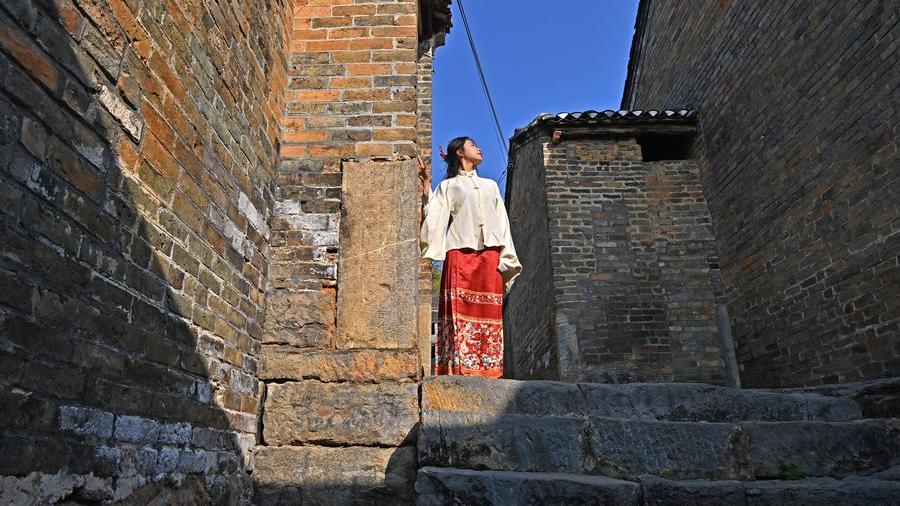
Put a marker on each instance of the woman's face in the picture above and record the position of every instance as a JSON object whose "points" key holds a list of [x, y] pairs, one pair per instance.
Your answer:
{"points": [[470, 152]]}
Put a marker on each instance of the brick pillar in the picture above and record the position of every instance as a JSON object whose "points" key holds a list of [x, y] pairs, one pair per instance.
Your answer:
{"points": [[339, 358]]}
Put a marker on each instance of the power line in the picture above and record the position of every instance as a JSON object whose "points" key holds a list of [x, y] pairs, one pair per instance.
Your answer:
{"points": [[487, 93]]}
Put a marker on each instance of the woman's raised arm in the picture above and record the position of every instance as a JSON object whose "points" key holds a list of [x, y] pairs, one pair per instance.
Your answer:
{"points": [[432, 235]]}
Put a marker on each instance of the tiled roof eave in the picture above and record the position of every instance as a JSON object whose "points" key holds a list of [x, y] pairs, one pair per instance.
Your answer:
{"points": [[610, 118]]}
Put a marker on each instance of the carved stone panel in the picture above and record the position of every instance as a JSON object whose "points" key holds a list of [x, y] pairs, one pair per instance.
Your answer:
{"points": [[378, 265]]}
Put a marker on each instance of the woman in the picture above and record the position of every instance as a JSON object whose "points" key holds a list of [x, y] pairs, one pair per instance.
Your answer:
{"points": [[480, 264]]}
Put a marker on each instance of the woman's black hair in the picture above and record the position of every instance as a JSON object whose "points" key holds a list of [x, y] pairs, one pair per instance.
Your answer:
{"points": [[452, 159]]}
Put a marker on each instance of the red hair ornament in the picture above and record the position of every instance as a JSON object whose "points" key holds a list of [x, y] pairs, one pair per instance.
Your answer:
{"points": [[443, 155]]}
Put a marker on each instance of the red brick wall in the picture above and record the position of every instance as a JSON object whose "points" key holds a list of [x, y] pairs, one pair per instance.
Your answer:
{"points": [[352, 80]]}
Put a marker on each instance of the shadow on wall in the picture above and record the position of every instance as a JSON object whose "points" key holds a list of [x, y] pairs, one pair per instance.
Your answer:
{"points": [[127, 316]]}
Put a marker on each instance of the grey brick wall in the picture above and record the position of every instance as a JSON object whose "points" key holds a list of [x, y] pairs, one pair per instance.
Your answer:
{"points": [[798, 109]]}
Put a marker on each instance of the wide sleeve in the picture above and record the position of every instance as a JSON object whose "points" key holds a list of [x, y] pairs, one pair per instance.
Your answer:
{"points": [[509, 265], [436, 215]]}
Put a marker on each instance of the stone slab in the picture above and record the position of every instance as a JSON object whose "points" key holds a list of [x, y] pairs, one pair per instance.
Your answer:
{"points": [[628, 448], [653, 401], [379, 261], [286, 362], [439, 486], [698, 402], [502, 396], [288, 475], [763, 449], [504, 443], [747, 450], [310, 411], [879, 398], [856, 491], [302, 319]]}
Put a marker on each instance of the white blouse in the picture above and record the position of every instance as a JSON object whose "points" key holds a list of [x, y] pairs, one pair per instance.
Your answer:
{"points": [[479, 221]]}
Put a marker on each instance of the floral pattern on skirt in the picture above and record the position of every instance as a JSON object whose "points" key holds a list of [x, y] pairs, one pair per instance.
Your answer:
{"points": [[470, 314]]}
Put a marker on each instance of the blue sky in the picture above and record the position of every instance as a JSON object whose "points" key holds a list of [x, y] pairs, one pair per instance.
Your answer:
{"points": [[538, 56]]}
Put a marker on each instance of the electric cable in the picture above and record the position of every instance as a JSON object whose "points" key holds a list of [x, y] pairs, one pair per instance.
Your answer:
{"points": [[503, 147]]}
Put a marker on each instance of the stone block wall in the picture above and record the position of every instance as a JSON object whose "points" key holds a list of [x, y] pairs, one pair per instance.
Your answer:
{"points": [[632, 263], [138, 145], [530, 348], [798, 111]]}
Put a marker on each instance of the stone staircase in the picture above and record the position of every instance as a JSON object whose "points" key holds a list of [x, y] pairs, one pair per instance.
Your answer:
{"points": [[543, 442]]}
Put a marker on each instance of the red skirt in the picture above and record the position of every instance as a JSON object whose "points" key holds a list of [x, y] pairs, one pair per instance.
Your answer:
{"points": [[470, 314]]}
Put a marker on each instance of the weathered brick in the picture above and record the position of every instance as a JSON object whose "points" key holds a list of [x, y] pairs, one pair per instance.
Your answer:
{"points": [[348, 33], [395, 134], [318, 95], [34, 138], [69, 17], [69, 165], [394, 31], [328, 22], [328, 45], [353, 10], [29, 56], [305, 136], [369, 69], [350, 82], [381, 42]]}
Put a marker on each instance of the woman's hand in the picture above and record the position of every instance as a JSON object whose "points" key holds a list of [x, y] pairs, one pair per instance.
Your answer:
{"points": [[424, 186], [423, 173]]}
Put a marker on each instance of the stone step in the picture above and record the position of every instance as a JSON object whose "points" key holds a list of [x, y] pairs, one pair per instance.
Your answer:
{"points": [[851, 491], [439, 486], [876, 398], [654, 401], [621, 448]]}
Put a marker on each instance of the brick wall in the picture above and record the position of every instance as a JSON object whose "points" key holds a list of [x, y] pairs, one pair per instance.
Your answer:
{"points": [[424, 73], [797, 106], [632, 263], [530, 348], [139, 142]]}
